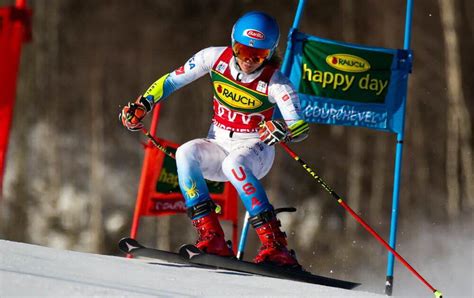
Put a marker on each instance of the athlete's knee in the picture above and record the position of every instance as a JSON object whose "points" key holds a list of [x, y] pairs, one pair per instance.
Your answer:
{"points": [[187, 151], [234, 167]]}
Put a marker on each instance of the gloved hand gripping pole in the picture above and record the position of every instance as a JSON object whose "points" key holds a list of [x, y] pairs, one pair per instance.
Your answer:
{"points": [[157, 145]]}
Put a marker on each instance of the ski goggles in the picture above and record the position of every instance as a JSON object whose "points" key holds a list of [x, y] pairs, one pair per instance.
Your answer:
{"points": [[246, 53]]}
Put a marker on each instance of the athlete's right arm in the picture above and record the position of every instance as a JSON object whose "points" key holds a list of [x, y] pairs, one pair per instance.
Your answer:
{"points": [[197, 66]]}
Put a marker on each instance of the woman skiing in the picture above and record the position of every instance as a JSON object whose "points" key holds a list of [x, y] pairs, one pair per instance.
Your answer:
{"points": [[239, 147]]}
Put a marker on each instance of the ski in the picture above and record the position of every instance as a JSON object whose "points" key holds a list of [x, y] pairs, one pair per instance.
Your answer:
{"points": [[190, 254], [195, 256], [132, 247]]}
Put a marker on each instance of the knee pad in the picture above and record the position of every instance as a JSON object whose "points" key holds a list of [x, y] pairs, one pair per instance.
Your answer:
{"points": [[232, 164], [186, 151]]}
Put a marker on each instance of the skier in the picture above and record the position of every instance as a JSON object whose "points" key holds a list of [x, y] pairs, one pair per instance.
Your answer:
{"points": [[239, 146]]}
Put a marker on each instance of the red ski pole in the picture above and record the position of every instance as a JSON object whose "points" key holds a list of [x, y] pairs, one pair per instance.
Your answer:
{"points": [[437, 293]]}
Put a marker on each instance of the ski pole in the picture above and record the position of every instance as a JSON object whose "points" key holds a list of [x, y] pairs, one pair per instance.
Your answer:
{"points": [[157, 145], [243, 236], [437, 293]]}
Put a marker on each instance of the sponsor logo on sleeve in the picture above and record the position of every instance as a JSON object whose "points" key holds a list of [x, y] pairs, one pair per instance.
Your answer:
{"points": [[286, 97], [192, 62], [179, 71]]}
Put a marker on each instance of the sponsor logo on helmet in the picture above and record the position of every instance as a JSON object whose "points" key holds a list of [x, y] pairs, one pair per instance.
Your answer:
{"points": [[348, 63], [235, 97], [255, 34]]}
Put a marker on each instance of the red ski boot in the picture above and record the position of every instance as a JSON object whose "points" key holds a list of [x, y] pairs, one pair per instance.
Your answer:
{"points": [[273, 240], [211, 236]]}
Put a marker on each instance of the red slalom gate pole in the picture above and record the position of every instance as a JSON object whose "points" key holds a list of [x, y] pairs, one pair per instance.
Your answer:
{"points": [[437, 293]]}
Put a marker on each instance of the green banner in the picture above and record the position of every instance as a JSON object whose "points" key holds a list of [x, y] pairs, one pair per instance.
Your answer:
{"points": [[338, 72], [167, 182]]}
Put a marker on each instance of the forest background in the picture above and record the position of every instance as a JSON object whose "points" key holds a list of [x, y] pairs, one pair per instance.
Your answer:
{"points": [[72, 170]]}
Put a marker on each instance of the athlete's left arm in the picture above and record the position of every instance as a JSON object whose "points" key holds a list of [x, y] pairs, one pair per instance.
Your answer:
{"points": [[282, 92]]}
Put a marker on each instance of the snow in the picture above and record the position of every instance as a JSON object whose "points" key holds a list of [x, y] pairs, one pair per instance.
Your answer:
{"points": [[30, 270]]}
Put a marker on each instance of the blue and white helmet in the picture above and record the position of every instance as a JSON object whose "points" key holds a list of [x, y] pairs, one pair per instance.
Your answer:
{"points": [[257, 30]]}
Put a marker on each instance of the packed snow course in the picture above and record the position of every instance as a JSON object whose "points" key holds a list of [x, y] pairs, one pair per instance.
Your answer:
{"points": [[31, 270]]}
